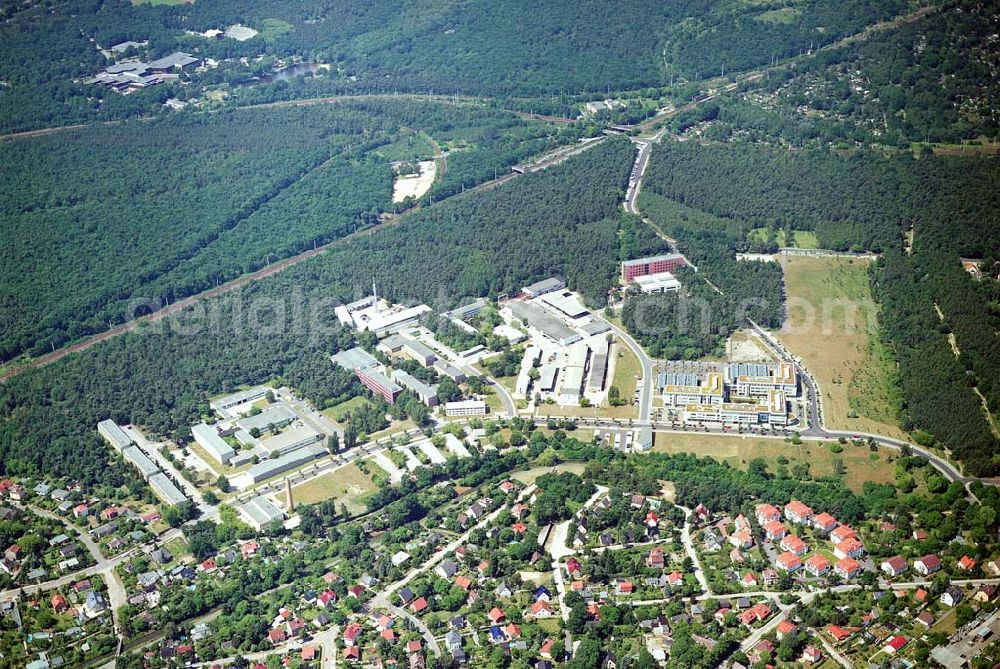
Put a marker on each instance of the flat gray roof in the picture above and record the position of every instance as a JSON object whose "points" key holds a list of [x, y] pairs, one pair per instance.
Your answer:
{"points": [[413, 383], [140, 461], [279, 414], [545, 285], [114, 434], [262, 511], [210, 440], [470, 309], [290, 460], [449, 370], [548, 325], [650, 259], [166, 489], [354, 359], [176, 59]]}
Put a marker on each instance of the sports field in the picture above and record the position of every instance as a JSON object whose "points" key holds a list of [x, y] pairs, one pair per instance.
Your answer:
{"points": [[833, 327]]}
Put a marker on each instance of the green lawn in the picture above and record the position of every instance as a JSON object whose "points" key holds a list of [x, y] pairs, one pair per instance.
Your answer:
{"points": [[338, 412], [802, 239]]}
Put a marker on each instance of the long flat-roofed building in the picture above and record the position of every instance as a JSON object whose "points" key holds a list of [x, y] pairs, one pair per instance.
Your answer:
{"points": [[354, 359], [757, 380], [549, 326], [466, 408], [547, 376], [445, 368], [651, 265], [426, 393], [278, 415], [469, 310], [566, 303], [598, 372], [544, 286], [522, 385], [574, 371], [165, 489], [115, 435], [379, 383], [209, 439], [240, 400], [290, 460], [140, 461], [773, 413], [289, 440]]}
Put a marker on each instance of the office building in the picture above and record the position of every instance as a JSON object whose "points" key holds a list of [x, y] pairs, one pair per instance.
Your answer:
{"points": [[278, 415], [270, 468], [115, 435], [379, 383], [208, 438], [469, 310], [652, 265], [445, 368], [466, 408], [757, 380], [165, 489], [426, 393], [685, 389], [289, 440], [354, 359], [140, 461]]}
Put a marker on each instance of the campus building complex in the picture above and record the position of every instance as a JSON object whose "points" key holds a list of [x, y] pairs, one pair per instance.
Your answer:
{"points": [[683, 389], [652, 265], [757, 380], [774, 412]]}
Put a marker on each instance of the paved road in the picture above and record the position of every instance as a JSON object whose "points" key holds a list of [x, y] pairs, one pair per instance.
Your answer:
{"points": [[152, 449], [648, 366], [73, 531], [699, 573]]}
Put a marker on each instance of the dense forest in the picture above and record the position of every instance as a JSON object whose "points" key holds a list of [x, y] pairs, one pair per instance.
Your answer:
{"points": [[559, 221], [149, 212], [932, 79], [504, 48]]}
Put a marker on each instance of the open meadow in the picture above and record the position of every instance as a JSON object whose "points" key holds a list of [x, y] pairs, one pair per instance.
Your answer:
{"points": [[832, 326]]}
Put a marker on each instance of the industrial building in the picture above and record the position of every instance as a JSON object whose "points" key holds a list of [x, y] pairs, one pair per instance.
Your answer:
{"points": [[549, 326], [115, 435], [548, 374], [598, 372], [208, 438], [260, 511], [289, 440], [466, 408], [240, 401], [277, 416], [652, 265], [522, 386], [663, 282], [469, 310], [290, 460], [426, 393], [512, 334], [544, 286], [595, 327], [415, 349], [140, 461], [378, 316], [165, 489], [566, 303], [574, 372], [684, 389]]}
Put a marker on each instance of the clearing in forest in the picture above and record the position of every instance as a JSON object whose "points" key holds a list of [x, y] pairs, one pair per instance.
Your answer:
{"points": [[832, 327]]}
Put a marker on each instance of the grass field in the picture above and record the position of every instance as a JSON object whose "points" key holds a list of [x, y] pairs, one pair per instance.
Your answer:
{"points": [[802, 239], [338, 412], [346, 485], [783, 15], [737, 451], [626, 369], [528, 477], [832, 326]]}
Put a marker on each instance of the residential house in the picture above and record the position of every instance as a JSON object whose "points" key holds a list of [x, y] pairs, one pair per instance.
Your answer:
{"points": [[927, 565], [893, 566]]}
